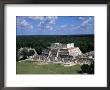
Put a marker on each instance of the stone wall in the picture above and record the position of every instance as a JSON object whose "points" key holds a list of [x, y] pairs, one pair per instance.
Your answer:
{"points": [[71, 54]]}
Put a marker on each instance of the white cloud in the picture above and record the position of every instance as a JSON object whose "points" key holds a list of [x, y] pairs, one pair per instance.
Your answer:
{"points": [[42, 26], [52, 22], [87, 21], [23, 24], [81, 18], [47, 23], [49, 27], [86, 24], [52, 17], [69, 27], [63, 26], [36, 17], [75, 27], [48, 19]]}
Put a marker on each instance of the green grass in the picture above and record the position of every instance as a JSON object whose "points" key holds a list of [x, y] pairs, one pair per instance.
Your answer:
{"points": [[29, 68]]}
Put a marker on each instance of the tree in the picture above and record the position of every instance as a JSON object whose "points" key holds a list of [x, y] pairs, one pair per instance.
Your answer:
{"points": [[22, 53], [84, 68], [39, 50], [31, 52], [91, 68], [17, 59]]}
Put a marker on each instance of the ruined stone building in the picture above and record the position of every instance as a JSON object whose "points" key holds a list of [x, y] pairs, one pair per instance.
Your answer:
{"points": [[63, 53]]}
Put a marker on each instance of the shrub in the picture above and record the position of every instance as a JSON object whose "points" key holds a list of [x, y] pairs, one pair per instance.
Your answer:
{"points": [[31, 52], [85, 68]]}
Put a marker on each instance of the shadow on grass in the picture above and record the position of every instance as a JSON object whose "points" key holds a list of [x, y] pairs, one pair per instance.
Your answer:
{"points": [[80, 72], [91, 72]]}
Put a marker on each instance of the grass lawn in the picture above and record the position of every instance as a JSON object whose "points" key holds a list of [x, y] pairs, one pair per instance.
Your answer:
{"points": [[29, 68]]}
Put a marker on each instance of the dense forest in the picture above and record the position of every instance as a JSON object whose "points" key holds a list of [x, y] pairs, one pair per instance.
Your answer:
{"points": [[40, 42]]}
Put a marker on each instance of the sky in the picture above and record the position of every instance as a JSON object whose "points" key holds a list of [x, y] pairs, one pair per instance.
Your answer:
{"points": [[54, 25]]}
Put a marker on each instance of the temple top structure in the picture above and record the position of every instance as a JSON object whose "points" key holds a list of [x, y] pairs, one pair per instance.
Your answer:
{"points": [[61, 45]]}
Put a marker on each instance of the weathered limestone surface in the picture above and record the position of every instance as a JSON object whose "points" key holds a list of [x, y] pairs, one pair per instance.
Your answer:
{"points": [[62, 53]]}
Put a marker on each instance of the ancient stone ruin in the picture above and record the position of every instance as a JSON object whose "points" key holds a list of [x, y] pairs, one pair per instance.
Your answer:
{"points": [[61, 53]]}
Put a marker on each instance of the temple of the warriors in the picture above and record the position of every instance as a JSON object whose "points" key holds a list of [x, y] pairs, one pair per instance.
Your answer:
{"points": [[62, 53]]}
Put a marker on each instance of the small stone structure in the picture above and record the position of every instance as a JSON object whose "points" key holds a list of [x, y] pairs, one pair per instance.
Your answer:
{"points": [[26, 50]]}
